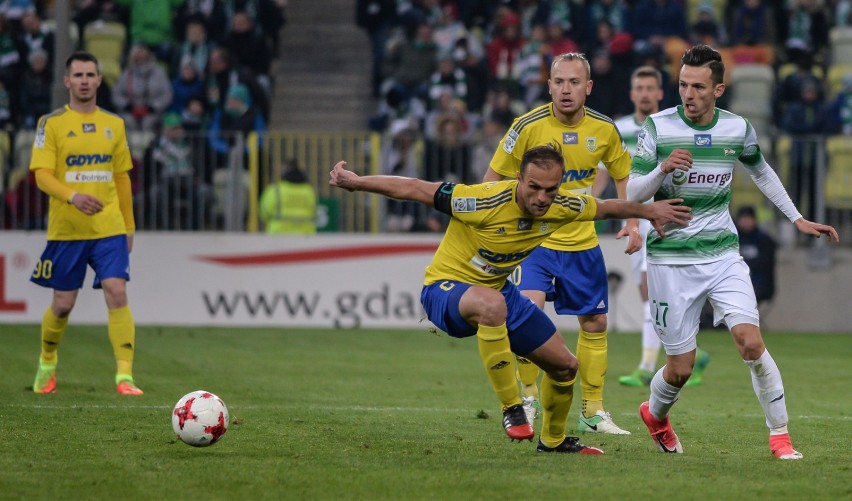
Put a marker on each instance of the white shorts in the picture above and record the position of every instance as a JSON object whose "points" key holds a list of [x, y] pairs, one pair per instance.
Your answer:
{"points": [[637, 259], [678, 292]]}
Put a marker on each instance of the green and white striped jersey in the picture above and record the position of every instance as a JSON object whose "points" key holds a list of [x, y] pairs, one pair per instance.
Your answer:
{"points": [[706, 187], [629, 129]]}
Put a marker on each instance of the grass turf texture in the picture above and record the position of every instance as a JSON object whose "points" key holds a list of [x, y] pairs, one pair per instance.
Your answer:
{"points": [[330, 414]]}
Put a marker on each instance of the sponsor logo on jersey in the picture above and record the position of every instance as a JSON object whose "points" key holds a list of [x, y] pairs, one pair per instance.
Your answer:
{"points": [[544, 228], [482, 265], [88, 177], [591, 143], [509, 142], [680, 178], [83, 160], [570, 138], [703, 140], [500, 257], [89, 128], [108, 133], [525, 224], [40, 134], [466, 204], [577, 175]]}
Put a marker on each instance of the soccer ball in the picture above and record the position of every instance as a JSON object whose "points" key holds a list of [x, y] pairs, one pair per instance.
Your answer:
{"points": [[200, 418]]}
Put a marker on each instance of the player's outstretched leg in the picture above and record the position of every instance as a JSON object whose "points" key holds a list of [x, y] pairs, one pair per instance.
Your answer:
{"points": [[516, 424], [661, 431], [769, 388], [570, 445]]}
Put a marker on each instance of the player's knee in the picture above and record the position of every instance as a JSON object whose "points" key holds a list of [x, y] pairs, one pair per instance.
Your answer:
{"points": [[593, 323], [566, 371], [752, 349], [677, 374], [62, 309]]}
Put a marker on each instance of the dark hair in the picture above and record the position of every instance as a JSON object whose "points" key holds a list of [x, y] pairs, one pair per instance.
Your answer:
{"points": [[648, 71], [81, 55], [704, 55], [543, 156], [294, 174]]}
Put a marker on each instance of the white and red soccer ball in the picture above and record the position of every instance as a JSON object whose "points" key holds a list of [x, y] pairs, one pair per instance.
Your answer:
{"points": [[200, 418]]}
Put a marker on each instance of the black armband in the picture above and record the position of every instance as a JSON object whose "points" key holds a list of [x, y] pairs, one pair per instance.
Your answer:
{"points": [[443, 198]]}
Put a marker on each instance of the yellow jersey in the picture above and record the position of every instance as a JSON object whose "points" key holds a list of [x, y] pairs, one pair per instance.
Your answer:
{"points": [[489, 234], [593, 140], [83, 151]]}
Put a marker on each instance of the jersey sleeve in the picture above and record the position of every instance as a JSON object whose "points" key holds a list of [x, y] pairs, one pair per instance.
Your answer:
{"points": [[507, 158], [465, 203], [645, 159], [617, 158], [44, 147], [121, 155], [576, 206], [751, 156]]}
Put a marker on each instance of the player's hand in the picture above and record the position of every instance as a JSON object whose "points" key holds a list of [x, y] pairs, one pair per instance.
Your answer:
{"points": [[669, 213], [816, 229], [341, 177], [680, 159], [634, 238], [87, 204]]}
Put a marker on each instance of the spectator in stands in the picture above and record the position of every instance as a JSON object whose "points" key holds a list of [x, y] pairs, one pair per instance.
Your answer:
{"points": [[400, 158], [143, 91], [840, 111], [661, 23], [448, 156], [707, 29], [186, 85], [448, 79], [100, 10], [15, 10], [36, 90], [448, 29], [484, 146], [34, 36], [267, 15], [222, 73], [249, 49], [558, 40], [210, 12], [758, 250], [806, 28], [611, 88], [750, 25], [376, 17], [613, 12], [409, 64], [178, 197], [151, 24], [503, 53], [10, 56], [475, 71], [7, 118], [802, 119], [195, 47], [502, 108], [790, 89], [289, 205], [534, 64], [239, 117]]}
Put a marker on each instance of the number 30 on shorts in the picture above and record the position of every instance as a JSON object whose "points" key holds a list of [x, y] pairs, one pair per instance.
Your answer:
{"points": [[43, 269]]}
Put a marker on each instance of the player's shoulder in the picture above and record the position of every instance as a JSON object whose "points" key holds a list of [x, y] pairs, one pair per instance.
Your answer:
{"points": [[52, 116], [598, 121], [532, 118], [490, 194], [567, 199], [624, 122], [108, 116], [666, 114]]}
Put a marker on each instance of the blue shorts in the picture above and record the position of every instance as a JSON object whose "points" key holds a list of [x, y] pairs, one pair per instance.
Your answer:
{"points": [[574, 280], [63, 263], [528, 326]]}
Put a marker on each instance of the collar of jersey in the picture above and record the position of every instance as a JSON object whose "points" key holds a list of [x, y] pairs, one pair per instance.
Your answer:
{"points": [[696, 126]]}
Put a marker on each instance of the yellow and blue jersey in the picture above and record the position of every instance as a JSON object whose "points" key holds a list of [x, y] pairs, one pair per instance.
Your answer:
{"points": [[84, 152], [489, 234], [593, 140]]}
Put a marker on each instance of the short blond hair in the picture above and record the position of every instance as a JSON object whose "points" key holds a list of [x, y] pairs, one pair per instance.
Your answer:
{"points": [[572, 56]]}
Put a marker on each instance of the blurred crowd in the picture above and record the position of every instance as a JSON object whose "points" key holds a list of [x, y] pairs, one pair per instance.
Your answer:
{"points": [[451, 75]]}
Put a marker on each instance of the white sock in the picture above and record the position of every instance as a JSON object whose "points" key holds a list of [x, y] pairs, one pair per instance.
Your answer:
{"points": [[650, 341], [766, 380], [663, 395]]}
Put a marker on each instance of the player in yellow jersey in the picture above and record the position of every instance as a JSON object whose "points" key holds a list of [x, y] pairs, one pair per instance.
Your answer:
{"points": [[493, 227], [81, 160], [569, 268]]}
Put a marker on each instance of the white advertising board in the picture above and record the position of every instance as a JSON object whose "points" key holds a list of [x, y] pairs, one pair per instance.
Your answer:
{"points": [[209, 279]]}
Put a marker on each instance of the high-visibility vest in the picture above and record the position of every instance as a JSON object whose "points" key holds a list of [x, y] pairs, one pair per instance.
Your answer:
{"points": [[289, 208]]}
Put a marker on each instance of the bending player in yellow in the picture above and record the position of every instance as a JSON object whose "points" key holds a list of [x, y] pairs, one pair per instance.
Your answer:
{"points": [[493, 227], [81, 160], [568, 268]]}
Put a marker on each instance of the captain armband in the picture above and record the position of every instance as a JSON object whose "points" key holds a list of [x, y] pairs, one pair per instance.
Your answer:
{"points": [[443, 198]]}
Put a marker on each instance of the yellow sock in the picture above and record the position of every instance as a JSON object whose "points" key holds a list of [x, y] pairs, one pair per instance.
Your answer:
{"points": [[591, 353], [52, 330], [556, 401], [499, 362], [528, 374], [122, 335]]}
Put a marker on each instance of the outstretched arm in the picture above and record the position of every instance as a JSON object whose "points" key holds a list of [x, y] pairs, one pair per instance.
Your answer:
{"points": [[398, 187], [659, 213]]}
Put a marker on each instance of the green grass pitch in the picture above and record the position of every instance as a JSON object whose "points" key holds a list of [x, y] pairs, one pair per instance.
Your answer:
{"points": [[394, 414]]}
